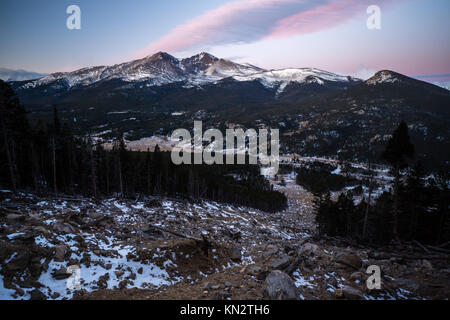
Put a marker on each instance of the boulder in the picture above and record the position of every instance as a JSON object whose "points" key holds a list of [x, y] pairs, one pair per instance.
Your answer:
{"points": [[352, 293], [279, 286], [236, 254], [95, 215], [60, 274], [60, 253], [19, 263], [310, 248], [281, 264], [63, 227], [37, 295]]}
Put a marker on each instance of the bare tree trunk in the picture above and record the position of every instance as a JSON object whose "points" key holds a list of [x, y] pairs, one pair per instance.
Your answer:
{"points": [[366, 214], [94, 184], [120, 176], [396, 185], [54, 165], [107, 172], [8, 155]]}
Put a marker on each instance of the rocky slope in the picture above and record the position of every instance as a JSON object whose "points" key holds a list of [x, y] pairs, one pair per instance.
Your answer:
{"points": [[154, 249]]}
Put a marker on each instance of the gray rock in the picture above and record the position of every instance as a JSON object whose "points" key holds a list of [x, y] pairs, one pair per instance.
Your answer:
{"points": [[19, 263], [207, 286], [253, 269], [352, 293], [310, 248], [37, 295], [236, 254], [63, 227], [95, 215], [40, 229], [279, 286], [61, 274], [60, 253], [281, 264]]}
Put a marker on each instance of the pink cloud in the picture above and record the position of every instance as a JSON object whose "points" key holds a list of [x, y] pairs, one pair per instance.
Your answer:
{"points": [[216, 26], [319, 18], [246, 21]]}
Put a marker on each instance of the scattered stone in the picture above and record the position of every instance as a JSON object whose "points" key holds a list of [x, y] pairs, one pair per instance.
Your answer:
{"points": [[224, 294], [19, 263], [279, 286], [236, 254], [281, 264], [356, 276], [95, 215], [352, 293], [63, 227], [102, 281], [270, 250], [37, 295], [310, 248], [254, 269], [119, 273], [60, 252], [61, 274], [40, 229], [207, 286]]}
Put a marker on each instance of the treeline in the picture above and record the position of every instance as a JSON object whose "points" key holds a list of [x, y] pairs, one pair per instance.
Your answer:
{"points": [[318, 178], [48, 158], [416, 208]]}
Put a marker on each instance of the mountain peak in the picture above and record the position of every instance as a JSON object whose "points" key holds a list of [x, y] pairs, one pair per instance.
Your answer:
{"points": [[385, 76], [161, 55]]}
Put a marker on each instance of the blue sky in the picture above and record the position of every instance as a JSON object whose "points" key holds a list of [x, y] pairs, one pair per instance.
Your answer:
{"points": [[327, 34]]}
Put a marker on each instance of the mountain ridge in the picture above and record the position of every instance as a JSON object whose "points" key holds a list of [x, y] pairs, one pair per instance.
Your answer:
{"points": [[162, 68]]}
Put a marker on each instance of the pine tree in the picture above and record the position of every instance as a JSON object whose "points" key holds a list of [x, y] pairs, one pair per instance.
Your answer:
{"points": [[398, 149]]}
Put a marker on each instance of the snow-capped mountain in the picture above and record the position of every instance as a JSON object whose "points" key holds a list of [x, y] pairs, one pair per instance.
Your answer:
{"points": [[204, 68], [385, 76], [19, 75]]}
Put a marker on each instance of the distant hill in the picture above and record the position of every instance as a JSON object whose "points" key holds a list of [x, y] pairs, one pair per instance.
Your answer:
{"points": [[19, 75]]}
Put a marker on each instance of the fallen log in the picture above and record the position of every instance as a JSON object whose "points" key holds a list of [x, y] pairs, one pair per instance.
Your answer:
{"points": [[203, 243], [438, 249], [421, 246]]}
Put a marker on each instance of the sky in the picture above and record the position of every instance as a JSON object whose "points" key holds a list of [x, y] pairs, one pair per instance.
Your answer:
{"points": [[326, 34]]}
